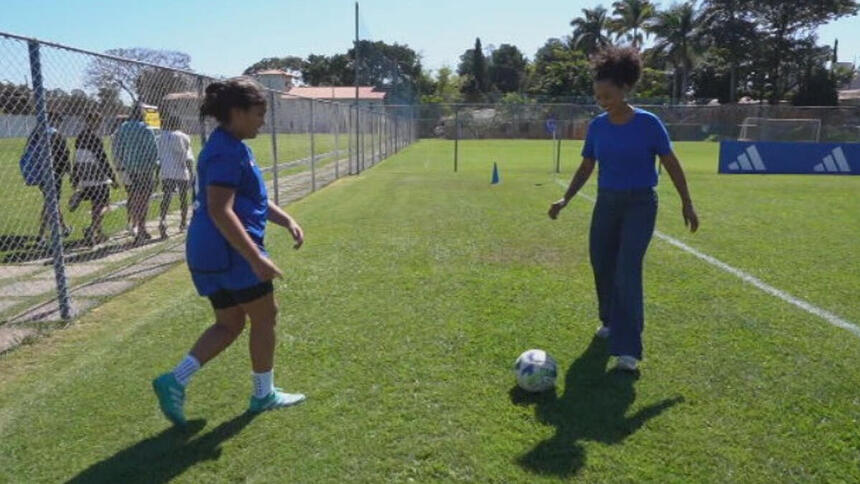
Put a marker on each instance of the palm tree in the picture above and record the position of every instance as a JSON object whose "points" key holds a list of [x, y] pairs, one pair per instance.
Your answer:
{"points": [[590, 32], [631, 19], [679, 37]]}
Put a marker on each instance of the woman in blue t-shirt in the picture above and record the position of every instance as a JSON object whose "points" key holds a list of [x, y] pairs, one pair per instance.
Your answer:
{"points": [[225, 251], [624, 142]]}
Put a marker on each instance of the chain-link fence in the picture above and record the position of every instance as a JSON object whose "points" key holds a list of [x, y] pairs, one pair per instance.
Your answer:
{"points": [[97, 162], [685, 122], [562, 122]]}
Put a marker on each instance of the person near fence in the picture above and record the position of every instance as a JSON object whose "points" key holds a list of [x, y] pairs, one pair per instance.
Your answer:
{"points": [[176, 159], [137, 157], [225, 252], [32, 167], [92, 177], [624, 141]]}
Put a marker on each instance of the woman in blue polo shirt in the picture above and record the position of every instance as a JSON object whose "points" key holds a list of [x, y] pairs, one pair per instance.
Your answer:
{"points": [[225, 251], [623, 141]]}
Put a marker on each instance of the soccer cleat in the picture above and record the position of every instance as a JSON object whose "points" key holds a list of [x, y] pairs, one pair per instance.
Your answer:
{"points": [[171, 397], [627, 363], [275, 399], [602, 332]]}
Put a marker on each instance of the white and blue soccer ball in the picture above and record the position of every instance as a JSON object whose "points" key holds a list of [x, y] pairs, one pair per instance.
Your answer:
{"points": [[535, 370]]}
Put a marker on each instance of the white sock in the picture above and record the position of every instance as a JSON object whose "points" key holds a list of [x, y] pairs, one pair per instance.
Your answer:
{"points": [[185, 369], [263, 383]]}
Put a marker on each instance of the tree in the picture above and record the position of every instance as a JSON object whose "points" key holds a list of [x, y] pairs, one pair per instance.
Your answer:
{"points": [[316, 70], [392, 67], [109, 73], [291, 64], [817, 88], [559, 71], [681, 39], [711, 78], [631, 16], [652, 84], [783, 23], [473, 70], [591, 31], [153, 84], [507, 68], [445, 89], [15, 99], [733, 35]]}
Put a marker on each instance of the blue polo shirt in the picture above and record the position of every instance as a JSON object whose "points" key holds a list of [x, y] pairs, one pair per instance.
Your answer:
{"points": [[227, 162], [626, 153]]}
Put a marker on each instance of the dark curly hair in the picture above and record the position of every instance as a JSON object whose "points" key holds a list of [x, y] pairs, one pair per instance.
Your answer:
{"points": [[222, 96], [620, 65]]}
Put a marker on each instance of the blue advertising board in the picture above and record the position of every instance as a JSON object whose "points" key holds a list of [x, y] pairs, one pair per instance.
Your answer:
{"points": [[768, 157]]}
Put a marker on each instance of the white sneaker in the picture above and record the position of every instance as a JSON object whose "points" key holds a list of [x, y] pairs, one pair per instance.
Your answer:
{"points": [[627, 363], [602, 332]]}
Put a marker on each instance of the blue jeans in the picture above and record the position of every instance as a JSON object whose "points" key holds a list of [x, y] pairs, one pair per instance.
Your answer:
{"points": [[621, 228]]}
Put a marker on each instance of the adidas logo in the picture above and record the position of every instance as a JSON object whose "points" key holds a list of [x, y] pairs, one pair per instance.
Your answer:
{"points": [[835, 162], [749, 161]]}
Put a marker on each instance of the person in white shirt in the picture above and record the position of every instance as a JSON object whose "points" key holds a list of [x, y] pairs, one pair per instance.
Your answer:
{"points": [[174, 151]]}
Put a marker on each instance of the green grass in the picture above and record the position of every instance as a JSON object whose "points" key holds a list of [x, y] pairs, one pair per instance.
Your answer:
{"points": [[401, 318]]}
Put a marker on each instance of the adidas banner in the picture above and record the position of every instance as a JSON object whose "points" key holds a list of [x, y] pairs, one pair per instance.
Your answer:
{"points": [[765, 157]]}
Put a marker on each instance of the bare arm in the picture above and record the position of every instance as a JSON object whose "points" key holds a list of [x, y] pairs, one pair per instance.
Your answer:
{"points": [[279, 217], [220, 209], [676, 173], [583, 173]]}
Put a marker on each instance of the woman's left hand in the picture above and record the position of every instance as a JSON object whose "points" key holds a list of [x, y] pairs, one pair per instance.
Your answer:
{"points": [[690, 218], [297, 233]]}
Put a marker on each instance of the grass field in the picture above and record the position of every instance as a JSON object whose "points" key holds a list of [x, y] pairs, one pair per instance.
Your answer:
{"points": [[402, 316]]}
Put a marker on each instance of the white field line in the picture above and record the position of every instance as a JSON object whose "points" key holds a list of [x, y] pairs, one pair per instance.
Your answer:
{"points": [[831, 318]]}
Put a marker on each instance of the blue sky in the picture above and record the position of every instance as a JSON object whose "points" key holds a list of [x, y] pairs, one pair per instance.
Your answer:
{"points": [[223, 37]]}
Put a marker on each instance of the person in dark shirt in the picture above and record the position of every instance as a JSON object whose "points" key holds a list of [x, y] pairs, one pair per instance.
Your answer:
{"points": [[59, 152], [92, 177]]}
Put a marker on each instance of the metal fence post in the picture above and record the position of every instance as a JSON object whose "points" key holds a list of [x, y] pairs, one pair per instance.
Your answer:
{"points": [[372, 137], [201, 118], [313, 154], [456, 138], [359, 142], [274, 132], [336, 141], [44, 155], [349, 139]]}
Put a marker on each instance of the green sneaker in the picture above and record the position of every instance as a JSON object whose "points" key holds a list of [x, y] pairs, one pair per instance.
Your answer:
{"points": [[275, 399], [171, 397]]}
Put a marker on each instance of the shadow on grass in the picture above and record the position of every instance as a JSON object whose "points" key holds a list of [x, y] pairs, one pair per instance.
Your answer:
{"points": [[76, 250], [165, 456], [593, 407]]}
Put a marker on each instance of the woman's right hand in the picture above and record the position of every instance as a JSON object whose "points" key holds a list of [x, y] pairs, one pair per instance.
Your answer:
{"points": [[556, 207], [265, 269]]}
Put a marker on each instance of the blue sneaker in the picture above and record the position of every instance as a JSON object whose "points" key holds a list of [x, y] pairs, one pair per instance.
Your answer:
{"points": [[275, 399], [171, 397]]}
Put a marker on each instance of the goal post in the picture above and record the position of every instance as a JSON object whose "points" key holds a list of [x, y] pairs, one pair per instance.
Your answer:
{"points": [[776, 129]]}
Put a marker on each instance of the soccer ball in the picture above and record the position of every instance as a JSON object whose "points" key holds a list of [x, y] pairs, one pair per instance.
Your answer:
{"points": [[535, 371]]}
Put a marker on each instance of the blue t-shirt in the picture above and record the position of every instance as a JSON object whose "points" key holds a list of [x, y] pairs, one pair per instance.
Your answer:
{"points": [[625, 153], [227, 162]]}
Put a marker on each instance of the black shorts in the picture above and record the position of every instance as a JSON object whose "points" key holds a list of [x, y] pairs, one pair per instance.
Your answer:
{"points": [[171, 185], [224, 299], [99, 194]]}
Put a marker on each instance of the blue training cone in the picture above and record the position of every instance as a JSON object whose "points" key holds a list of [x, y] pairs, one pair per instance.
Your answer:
{"points": [[495, 179]]}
